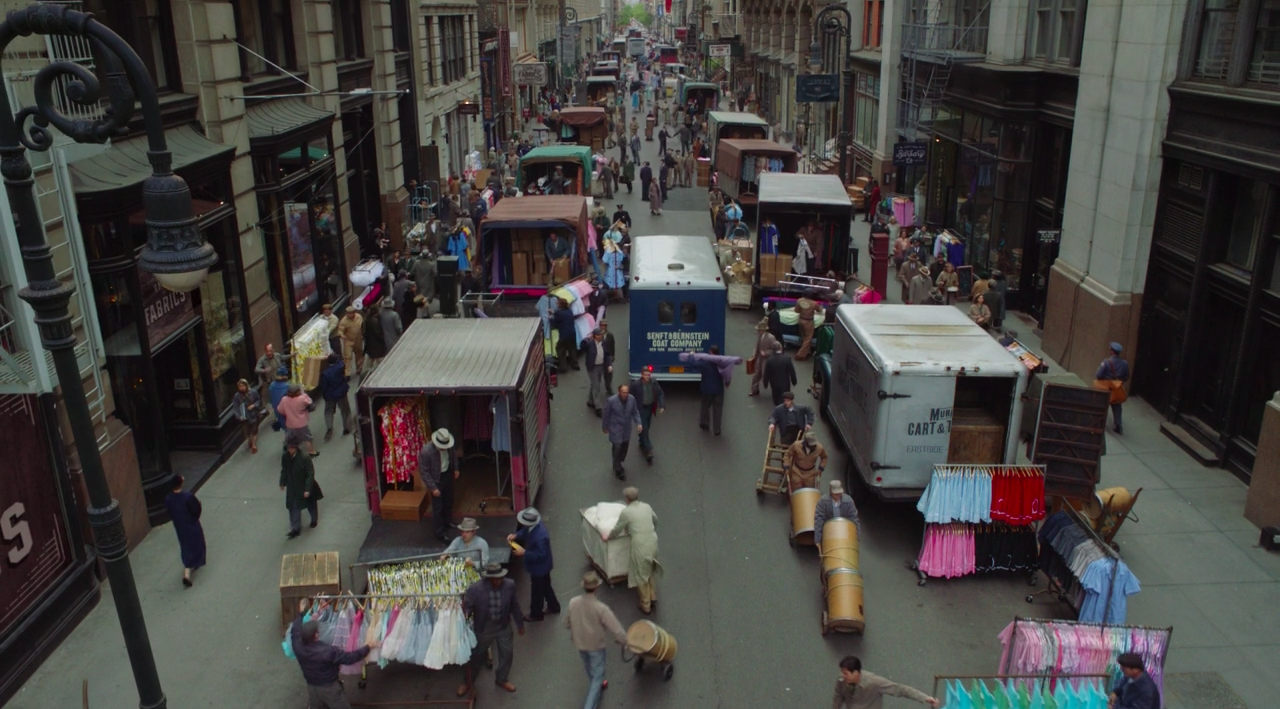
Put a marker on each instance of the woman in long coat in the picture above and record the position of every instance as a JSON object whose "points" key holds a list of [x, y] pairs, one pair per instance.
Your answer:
{"points": [[184, 510], [655, 197]]}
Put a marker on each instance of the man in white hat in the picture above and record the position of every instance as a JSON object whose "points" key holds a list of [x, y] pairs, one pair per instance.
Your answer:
{"points": [[470, 545], [591, 623], [832, 505], [438, 466], [535, 549]]}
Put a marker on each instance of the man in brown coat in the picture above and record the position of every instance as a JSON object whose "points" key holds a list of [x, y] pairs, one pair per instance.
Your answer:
{"points": [[805, 310], [351, 331], [764, 350], [804, 462]]}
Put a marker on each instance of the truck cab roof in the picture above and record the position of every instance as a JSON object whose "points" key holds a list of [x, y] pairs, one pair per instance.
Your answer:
{"points": [[927, 340]]}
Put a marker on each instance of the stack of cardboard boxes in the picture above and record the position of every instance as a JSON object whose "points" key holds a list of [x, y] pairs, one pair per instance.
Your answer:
{"points": [[773, 268], [528, 258]]}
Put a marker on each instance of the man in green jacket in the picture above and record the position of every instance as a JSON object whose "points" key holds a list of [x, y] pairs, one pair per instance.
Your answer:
{"points": [[857, 689], [298, 481]]}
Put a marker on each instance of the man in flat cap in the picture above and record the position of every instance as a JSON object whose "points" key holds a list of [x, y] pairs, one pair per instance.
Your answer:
{"points": [[1136, 690], [1114, 372], [320, 662]]}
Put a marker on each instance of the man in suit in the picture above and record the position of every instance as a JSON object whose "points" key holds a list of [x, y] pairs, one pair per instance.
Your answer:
{"points": [[599, 365], [790, 418], [764, 350], [779, 374], [646, 176], [621, 412], [652, 401], [438, 467], [491, 603]]}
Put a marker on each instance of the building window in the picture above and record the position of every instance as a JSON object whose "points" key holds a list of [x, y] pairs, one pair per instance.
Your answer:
{"points": [[401, 39], [1217, 33], [1265, 65], [348, 30], [872, 23], [867, 110], [1246, 224], [453, 45], [147, 26], [265, 31], [428, 48], [1053, 30]]}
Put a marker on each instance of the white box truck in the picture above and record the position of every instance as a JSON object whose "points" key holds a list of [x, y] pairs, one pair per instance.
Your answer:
{"points": [[910, 386]]}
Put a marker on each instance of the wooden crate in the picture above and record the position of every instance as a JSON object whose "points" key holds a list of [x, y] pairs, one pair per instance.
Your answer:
{"points": [[405, 505], [304, 576], [977, 437]]}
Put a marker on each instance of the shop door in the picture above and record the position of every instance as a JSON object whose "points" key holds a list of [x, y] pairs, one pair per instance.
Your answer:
{"points": [[180, 383], [1159, 347], [1214, 358], [1042, 254]]}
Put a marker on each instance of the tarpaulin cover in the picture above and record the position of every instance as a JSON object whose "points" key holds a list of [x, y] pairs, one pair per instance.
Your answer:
{"points": [[579, 155], [729, 155], [582, 116]]}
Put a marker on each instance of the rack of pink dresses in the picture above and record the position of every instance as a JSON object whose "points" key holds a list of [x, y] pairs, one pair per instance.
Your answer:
{"points": [[1060, 648]]}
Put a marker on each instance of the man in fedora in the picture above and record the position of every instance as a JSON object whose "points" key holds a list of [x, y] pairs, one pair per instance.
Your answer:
{"points": [[438, 466], [535, 549], [830, 506], [591, 623], [491, 603], [469, 545]]}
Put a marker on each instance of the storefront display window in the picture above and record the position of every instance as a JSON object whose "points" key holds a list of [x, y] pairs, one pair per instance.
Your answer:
{"points": [[223, 309]]}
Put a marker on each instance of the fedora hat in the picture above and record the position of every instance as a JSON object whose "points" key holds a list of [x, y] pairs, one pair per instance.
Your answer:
{"points": [[494, 571], [442, 439], [529, 517], [468, 525], [590, 581]]}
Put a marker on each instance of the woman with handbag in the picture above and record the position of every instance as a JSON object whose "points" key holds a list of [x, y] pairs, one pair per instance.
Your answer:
{"points": [[247, 407], [1112, 375]]}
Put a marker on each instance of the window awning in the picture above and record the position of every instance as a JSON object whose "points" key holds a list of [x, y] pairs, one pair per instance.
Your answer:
{"points": [[527, 58], [124, 165], [271, 122]]}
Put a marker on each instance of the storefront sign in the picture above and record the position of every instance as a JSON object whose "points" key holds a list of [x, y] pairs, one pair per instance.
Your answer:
{"points": [[718, 50], [534, 74], [568, 49], [468, 108], [912, 153], [164, 312], [677, 341], [1049, 236], [817, 88], [504, 63], [487, 88], [33, 534]]}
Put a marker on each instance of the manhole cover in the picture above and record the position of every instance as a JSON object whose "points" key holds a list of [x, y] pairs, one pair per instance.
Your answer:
{"points": [[1200, 690]]}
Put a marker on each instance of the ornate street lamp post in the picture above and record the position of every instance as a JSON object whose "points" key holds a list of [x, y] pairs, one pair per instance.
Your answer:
{"points": [[176, 254], [825, 25]]}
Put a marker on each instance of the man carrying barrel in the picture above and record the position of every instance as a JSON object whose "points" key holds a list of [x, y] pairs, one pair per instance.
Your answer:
{"points": [[832, 505]]}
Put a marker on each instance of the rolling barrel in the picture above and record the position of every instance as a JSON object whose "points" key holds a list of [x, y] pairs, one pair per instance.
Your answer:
{"points": [[803, 504], [645, 638], [839, 545], [841, 579]]}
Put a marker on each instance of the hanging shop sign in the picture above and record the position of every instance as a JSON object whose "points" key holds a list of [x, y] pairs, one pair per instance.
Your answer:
{"points": [[504, 63], [33, 533], [817, 88], [487, 88], [911, 153], [569, 48], [164, 312], [468, 108], [718, 50], [533, 74]]}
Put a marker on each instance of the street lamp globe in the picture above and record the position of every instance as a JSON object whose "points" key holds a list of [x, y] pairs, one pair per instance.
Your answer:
{"points": [[815, 57], [176, 253]]}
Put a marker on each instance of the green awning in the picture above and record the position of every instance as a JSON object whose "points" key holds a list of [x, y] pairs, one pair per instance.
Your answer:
{"points": [[313, 153], [272, 121], [124, 163]]}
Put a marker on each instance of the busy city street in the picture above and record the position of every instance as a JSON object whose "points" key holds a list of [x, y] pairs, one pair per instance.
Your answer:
{"points": [[743, 604]]}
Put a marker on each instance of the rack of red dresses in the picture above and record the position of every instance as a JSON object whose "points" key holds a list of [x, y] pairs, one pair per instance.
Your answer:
{"points": [[978, 519]]}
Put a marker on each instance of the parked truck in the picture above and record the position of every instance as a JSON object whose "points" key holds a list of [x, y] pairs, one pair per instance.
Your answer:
{"points": [[908, 386]]}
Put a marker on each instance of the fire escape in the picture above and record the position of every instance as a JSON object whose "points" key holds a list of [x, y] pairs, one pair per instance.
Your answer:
{"points": [[936, 37]]}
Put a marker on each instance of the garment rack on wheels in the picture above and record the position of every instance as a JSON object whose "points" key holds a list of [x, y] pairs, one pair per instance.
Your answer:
{"points": [[485, 381]]}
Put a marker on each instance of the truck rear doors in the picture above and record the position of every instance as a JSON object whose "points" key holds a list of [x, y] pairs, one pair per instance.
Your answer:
{"points": [[916, 430]]}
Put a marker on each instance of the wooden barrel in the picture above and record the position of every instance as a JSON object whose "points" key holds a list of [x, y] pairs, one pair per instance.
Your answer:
{"points": [[844, 601], [803, 503], [646, 638], [839, 545]]}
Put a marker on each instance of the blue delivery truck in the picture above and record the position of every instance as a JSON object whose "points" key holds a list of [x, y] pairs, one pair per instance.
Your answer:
{"points": [[678, 301]]}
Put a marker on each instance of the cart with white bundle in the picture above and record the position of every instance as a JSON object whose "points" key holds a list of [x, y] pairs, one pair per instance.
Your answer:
{"points": [[610, 558]]}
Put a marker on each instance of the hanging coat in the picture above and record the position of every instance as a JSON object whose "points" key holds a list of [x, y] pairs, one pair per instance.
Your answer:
{"points": [[184, 510], [637, 521]]}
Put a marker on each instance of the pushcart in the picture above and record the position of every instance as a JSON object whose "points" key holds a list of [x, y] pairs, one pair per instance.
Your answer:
{"points": [[647, 641], [610, 558], [773, 475]]}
